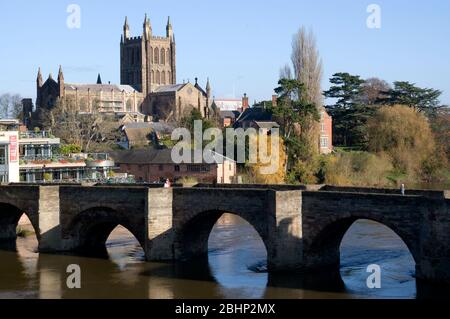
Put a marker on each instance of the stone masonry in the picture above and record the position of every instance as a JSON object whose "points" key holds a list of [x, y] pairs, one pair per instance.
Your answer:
{"points": [[301, 227]]}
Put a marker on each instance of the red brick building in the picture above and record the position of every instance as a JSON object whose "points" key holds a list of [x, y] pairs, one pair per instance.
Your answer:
{"points": [[326, 132], [151, 165]]}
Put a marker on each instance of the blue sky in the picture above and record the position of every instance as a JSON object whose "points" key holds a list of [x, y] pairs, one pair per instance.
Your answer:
{"points": [[240, 45]]}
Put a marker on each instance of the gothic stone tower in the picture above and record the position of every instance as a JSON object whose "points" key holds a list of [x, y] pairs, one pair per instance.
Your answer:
{"points": [[148, 61]]}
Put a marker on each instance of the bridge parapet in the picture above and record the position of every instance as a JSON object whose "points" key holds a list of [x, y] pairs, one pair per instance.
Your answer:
{"points": [[387, 191]]}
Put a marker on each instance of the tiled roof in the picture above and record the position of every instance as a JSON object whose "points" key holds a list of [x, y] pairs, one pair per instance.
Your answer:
{"points": [[156, 126], [257, 114], [230, 114], [169, 88], [150, 156], [99, 87]]}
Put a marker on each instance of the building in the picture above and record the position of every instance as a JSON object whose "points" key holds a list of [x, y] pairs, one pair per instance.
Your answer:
{"points": [[173, 102], [104, 98], [147, 61], [9, 156], [326, 132], [258, 117], [34, 157], [148, 84], [229, 110], [228, 118], [143, 134], [41, 161], [152, 165]]}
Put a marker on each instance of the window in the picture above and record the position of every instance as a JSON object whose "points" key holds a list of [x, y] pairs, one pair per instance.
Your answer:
{"points": [[198, 168], [158, 77], [322, 127], [324, 142], [156, 56], [163, 56], [3, 155], [177, 168], [163, 77]]}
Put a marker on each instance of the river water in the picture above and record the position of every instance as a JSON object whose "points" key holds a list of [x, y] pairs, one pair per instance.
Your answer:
{"points": [[234, 269]]}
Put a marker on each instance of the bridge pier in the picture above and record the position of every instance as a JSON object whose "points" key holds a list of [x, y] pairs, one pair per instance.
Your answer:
{"points": [[285, 244], [434, 263], [49, 220], [159, 244]]}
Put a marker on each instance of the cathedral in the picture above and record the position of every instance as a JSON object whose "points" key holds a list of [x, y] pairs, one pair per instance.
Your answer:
{"points": [[148, 83]]}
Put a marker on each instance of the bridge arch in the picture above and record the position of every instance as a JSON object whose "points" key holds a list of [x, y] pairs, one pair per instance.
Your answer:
{"points": [[10, 215], [192, 236], [90, 229], [323, 248]]}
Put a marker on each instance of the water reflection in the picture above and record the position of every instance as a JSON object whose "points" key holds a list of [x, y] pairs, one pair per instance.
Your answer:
{"points": [[233, 269]]}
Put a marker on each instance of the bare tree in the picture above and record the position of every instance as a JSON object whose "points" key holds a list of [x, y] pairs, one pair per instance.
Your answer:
{"points": [[92, 131], [286, 72], [308, 70], [307, 64], [10, 105], [373, 91]]}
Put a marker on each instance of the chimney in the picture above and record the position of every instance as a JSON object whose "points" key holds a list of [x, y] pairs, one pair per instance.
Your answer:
{"points": [[245, 104], [274, 100]]}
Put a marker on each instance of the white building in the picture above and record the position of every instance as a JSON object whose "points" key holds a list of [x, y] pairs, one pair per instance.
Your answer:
{"points": [[9, 157]]}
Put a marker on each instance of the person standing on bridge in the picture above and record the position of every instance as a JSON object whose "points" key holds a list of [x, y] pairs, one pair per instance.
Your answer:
{"points": [[167, 184], [402, 189]]}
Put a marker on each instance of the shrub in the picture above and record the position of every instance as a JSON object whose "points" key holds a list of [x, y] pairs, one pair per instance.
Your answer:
{"points": [[406, 137]]}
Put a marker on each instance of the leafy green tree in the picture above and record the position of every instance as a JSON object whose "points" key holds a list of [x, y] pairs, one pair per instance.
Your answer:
{"points": [[349, 114], [295, 116]]}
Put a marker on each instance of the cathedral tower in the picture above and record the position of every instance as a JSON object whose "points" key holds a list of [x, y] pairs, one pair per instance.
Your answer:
{"points": [[147, 61]]}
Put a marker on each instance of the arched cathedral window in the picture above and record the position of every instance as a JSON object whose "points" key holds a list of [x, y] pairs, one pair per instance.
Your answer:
{"points": [[163, 56], [156, 56]]}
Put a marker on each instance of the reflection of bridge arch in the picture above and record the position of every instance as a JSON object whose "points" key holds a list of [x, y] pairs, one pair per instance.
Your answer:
{"points": [[90, 229], [301, 229], [192, 236]]}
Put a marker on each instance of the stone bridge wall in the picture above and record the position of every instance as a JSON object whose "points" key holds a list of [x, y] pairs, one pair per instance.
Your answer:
{"points": [[301, 229]]}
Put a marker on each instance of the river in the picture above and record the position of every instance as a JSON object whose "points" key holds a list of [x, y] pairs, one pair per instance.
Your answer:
{"points": [[234, 269]]}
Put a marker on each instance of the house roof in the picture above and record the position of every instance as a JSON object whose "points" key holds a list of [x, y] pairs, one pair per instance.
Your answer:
{"points": [[169, 88], [99, 87], [257, 114], [136, 135], [230, 114], [153, 156], [267, 125]]}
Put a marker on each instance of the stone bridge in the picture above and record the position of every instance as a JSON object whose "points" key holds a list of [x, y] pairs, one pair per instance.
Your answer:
{"points": [[301, 227]]}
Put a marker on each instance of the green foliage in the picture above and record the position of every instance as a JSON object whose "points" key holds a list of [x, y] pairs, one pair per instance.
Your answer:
{"points": [[349, 115], [296, 118], [68, 149], [405, 93], [48, 177], [22, 232]]}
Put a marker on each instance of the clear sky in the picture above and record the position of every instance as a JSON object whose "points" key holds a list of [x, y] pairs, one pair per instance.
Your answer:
{"points": [[239, 44]]}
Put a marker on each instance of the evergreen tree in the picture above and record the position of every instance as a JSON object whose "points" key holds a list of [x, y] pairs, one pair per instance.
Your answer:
{"points": [[349, 114], [422, 99]]}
